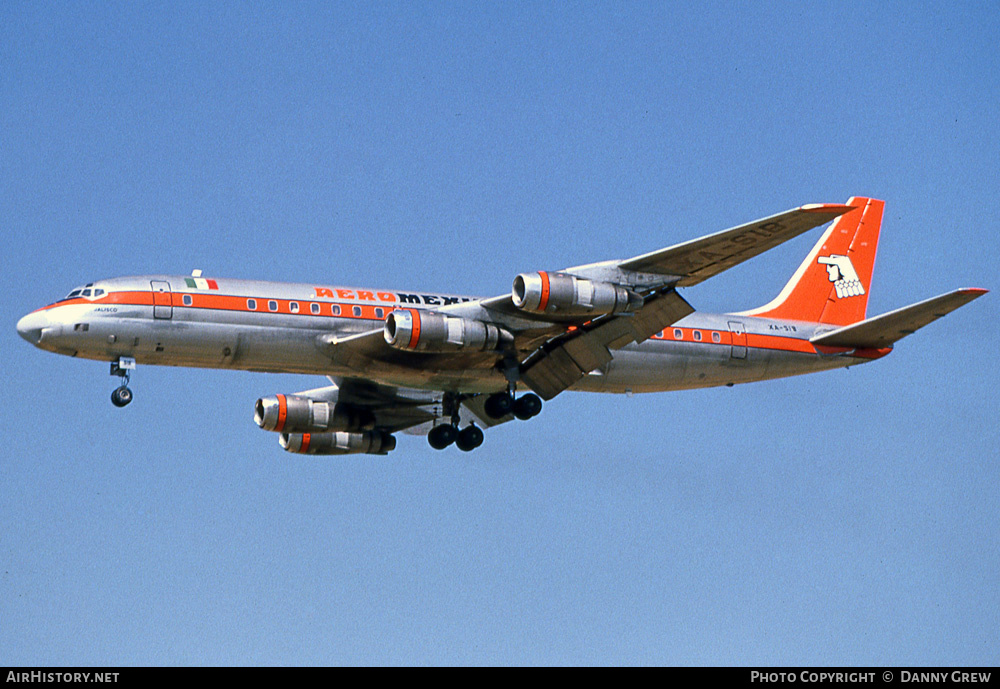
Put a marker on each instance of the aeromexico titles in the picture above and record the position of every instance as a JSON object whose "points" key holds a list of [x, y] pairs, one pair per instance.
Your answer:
{"points": [[449, 366]]}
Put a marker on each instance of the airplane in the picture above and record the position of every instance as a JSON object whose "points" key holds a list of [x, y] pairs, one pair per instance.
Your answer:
{"points": [[449, 366]]}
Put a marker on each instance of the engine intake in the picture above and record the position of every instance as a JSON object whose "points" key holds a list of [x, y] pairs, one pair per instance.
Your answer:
{"points": [[429, 331], [341, 443], [292, 413], [569, 295]]}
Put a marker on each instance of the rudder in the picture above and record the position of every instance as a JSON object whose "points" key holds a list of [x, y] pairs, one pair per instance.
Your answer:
{"points": [[832, 284]]}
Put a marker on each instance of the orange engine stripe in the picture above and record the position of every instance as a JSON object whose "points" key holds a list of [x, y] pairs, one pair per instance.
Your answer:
{"points": [[415, 332], [306, 437], [544, 301], [282, 413]]}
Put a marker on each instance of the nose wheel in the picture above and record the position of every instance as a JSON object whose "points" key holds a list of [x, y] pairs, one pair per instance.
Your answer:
{"points": [[122, 368], [121, 396]]}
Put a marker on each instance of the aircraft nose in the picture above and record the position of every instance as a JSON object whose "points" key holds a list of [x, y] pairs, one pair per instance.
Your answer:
{"points": [[30, 327]]}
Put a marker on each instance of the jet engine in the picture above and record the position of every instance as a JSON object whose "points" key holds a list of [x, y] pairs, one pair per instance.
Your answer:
{"points": [[365, 442], [291, 413], [428, 331], [569, 295]]}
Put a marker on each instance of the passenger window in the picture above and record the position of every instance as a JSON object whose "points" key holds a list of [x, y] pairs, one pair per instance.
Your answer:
{"points": [[314, 308], [716, 338], [252, 304], [678, 334], [188, 300], [336, 309], [272, 305], [293, 306], [379, 313], [357, 310], [697, 336]]}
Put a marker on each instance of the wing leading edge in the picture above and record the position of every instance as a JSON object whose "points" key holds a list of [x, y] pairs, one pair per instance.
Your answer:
{"points": [[699, 259]]}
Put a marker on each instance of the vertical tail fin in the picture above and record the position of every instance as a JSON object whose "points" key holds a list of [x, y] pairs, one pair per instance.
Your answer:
{"points": [[832, 284]]}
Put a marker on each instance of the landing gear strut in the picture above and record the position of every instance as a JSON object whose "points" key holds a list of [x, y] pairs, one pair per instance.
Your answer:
{"points": [[121, 368]]}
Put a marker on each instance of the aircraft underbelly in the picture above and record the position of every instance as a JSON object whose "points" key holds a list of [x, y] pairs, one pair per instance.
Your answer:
{"points": [[652, 366]]}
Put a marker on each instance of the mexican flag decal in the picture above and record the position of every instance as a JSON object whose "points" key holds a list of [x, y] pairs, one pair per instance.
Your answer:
{"points": [[201, 283]]}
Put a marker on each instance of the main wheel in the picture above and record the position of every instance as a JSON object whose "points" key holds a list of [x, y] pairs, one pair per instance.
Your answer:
{"points": [[499, 404], [527, 406], [442, 436], [121, 396], [469, 439]]}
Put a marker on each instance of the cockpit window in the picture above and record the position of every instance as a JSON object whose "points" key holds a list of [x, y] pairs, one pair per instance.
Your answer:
{"points": [[87, 291]]}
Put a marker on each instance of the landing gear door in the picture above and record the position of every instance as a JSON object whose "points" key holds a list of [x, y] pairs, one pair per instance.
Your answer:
{"points": [[739, 337], [162, 306]]}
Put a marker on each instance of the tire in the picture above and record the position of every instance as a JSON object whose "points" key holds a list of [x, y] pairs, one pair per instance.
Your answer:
{"points": [[498, 405], [469, 439], [442, 436], [527, 406], [121, 396]]}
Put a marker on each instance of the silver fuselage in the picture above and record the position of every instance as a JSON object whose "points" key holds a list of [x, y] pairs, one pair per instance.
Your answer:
{"points": [[280, 327]]}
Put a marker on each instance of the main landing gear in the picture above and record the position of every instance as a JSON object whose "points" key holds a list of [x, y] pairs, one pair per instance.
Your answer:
{"points": [[121, 368], [466, 440], [497, 406]]}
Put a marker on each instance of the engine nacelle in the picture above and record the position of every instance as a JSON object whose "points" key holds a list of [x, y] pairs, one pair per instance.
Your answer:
{"points": [[291, 413], [429, 331], [365, 442], [568, 295]]}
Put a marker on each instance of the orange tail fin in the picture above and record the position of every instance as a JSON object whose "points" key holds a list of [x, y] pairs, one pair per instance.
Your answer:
{"points": [[832, 284]]}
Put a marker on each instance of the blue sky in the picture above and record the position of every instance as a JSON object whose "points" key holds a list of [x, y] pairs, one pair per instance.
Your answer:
{"points": [[847, 517]]}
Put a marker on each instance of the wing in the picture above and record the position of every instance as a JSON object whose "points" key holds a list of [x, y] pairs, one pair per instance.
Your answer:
{"points": [[550, 350], [549, 357], [885, 330], [699, 259]]}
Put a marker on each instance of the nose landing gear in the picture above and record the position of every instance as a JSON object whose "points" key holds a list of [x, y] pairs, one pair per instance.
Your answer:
{"points": [[121, 368]]}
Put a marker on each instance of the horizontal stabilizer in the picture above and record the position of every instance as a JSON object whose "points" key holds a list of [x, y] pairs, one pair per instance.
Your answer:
{"points": [[883, 331]]}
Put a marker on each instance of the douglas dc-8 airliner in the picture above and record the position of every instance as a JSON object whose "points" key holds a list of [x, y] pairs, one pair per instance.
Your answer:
{"points": [[449, 366]]}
